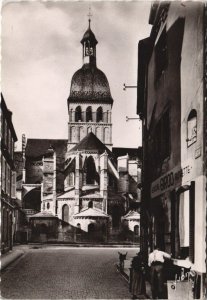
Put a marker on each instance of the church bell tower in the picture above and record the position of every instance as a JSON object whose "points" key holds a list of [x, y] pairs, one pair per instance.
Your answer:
{"points": [[90, 102]]}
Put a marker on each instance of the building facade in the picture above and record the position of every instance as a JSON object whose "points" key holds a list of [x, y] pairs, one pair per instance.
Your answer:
{"points": [[8, 178], [172, 105]]}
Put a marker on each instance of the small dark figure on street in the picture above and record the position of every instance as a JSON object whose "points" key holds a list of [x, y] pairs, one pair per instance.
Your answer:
{"points": [[122, 258], [156, 262], [138, 286]]}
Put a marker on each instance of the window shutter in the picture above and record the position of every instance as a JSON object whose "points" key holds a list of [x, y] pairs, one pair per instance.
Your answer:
{"points": [[192, 221], [3, 174], [13, 189], [8, 180]]}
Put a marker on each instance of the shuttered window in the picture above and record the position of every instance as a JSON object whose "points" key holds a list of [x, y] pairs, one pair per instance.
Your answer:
{"points": [[13, 188], [8, 183], [3, 174], [192, 221]]}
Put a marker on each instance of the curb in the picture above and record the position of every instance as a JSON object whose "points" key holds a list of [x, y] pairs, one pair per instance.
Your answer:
{"points": [[9, 258], [84, 245]]}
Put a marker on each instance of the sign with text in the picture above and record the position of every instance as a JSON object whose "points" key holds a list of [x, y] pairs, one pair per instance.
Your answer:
{"points": [[172, 179]]}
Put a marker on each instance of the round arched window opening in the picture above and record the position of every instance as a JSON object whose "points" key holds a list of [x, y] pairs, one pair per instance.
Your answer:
{"points": [[78, 114], [48, 205], [90, 204], [88, 114], [65, 213], [136, 229], [99, 114], [192, 128]]}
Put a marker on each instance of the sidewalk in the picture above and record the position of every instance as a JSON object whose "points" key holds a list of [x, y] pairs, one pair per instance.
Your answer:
{"points": [[11, 256], [126, 275]]}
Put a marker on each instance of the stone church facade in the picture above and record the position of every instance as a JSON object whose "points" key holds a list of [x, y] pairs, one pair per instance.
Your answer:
{"points": [[80, 188]]}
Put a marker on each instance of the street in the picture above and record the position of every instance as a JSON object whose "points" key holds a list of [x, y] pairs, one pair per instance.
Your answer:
{"points": [[66, 273]]}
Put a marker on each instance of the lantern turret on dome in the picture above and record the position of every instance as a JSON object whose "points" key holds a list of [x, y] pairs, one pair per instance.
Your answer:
{"points": [[89, 43]]}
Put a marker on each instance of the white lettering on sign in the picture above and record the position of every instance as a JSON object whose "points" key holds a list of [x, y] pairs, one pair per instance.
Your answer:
{"points": [[172, 179]]}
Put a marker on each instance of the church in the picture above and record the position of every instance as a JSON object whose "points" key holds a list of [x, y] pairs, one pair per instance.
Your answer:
{"points": [[81, 188]]}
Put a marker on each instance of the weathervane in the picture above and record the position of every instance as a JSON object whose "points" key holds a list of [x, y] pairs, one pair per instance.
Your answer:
{"points": [[89, 15]]}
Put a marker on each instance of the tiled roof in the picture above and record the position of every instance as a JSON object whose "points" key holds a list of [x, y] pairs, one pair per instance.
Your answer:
{"points": [[68, 194], [91, 142], [89, 84], [43, 214], [132, 215], [91, 212], [92, 196], [36, 148]]}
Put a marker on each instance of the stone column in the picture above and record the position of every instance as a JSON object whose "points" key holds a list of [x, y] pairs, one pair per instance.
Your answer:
{"points": [[73, 116], [109, 117], [78, 181], [94, 116], [82, 116]]}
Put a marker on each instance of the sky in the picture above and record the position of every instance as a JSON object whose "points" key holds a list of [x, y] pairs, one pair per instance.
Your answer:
{"points": [[41, 51]]}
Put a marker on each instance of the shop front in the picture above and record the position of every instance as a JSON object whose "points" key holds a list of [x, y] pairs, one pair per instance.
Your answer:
{"points": [[178, 201]]}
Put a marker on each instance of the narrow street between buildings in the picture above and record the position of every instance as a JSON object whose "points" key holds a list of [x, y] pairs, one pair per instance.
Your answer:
{"points": [[54, 272]]}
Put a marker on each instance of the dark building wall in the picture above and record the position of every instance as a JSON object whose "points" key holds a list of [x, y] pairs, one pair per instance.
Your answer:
{"points": [[173, 73], [8, 177]]}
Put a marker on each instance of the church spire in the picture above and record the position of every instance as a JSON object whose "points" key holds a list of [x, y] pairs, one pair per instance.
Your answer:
{"points": [[89, 43], [89, 17]]}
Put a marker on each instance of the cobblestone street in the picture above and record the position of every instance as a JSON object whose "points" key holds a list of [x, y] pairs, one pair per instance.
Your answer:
{"points": [[66, 273]]}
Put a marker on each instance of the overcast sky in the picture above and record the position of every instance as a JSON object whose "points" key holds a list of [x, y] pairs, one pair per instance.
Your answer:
{"points": [[41, 50]]}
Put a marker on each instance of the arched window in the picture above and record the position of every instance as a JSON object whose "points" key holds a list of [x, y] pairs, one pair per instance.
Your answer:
{"points": [[78, 116], [90, 170], [43, 205], [136, 229], [90, 204], [65, 213], [99, 114], [48, 205], [192, 127], [88, 114], [91, 228], [78, 228]]}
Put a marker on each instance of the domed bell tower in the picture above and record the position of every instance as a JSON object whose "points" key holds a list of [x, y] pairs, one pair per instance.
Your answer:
{"points": [[90, 102]]}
